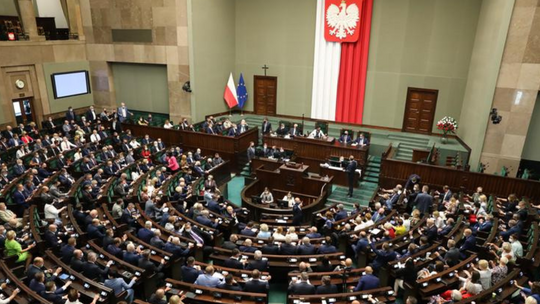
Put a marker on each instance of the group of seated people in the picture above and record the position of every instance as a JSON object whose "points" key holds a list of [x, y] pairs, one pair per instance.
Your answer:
{"points": [[178, 224]]}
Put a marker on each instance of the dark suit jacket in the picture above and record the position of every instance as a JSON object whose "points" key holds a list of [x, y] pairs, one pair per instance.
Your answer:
{"points": [[131, 258], [469, 244], [367, 282], [190, 274], [287, 249], [77, 265], [233, 263], [51, 239], [145, 235], [229, 245], [302, 288], [306, 249], [270, 249], [94, 272], [327, 289], [266, 127], [258, 264], [256, 286], [423, 202], [149, 266]]}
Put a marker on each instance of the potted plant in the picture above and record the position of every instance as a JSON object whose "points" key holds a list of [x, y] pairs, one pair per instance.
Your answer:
{"points": [[447, 125]]}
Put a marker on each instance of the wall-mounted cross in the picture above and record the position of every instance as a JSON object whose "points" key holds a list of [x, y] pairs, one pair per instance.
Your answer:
{"points": [[265, 68]]}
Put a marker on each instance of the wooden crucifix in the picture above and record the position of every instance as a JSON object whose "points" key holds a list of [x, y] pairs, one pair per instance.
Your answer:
{"points": [[265, 68]]}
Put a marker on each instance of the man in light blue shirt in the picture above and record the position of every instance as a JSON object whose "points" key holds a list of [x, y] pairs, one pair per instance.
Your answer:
{"points": [[118, 285], [208, 279]]}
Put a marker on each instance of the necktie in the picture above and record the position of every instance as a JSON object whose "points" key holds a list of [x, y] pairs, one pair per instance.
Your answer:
{"points": [[196, 237]]}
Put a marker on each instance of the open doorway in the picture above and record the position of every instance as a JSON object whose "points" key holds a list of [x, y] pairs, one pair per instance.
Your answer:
{"points": [[23, 109]]}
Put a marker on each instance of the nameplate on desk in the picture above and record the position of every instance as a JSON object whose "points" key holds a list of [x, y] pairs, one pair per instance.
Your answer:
{"points": [[312, 260]]}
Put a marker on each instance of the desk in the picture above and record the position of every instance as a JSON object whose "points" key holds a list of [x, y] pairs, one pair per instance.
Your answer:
{"points": [[313, 152], [231, 148], [340, 177], [312, 190]]}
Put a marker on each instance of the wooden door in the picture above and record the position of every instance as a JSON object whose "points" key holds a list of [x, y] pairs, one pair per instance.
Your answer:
{"points": [[23, 110], [420, 110], [265, 95]]}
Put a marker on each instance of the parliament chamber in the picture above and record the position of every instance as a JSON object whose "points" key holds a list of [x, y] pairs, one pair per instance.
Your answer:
{"points": [[264, 152]]}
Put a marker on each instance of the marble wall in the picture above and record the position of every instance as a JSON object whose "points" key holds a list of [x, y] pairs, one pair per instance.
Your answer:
{"points": [[30, 57], [517, 89], [168, 21]]}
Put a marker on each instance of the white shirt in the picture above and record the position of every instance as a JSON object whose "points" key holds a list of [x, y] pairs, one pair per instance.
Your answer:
{"points": [[313, 134], [51, 212], [95, 137], [167, 126], [124, 112]]}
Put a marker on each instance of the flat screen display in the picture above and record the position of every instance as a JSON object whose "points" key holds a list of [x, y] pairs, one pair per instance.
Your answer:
{"points": [[70, 84]]}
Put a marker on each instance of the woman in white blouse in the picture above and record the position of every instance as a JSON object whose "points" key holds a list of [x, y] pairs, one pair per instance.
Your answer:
{"points": [[168, 124]]}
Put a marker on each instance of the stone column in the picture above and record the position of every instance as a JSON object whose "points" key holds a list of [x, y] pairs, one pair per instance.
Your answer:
{"points": [[28, 17], [75, 20], [517, 88]]}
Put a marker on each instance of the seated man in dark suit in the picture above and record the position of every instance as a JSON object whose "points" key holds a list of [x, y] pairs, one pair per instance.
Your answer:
{"points": [[327, 287], [149, 267], [256, 285], [231, 243], [66, 252], [287, 248], [270, 247], [451, 257], [430, 231], [469, 243], [282, 130], [447, 228], [345, 138], [327, 246], [235, 261], [93, 271], [305, 247], [248, 230], [51, 237], [303, 287], [146, 233], [230, 284], [341, 213], [53, 294], [77, 262], [173, 246], [132, 254], [258, 262], [247, 246], [361, 140], [190, 272], [95, 230], [483, 224], [368, 281]]}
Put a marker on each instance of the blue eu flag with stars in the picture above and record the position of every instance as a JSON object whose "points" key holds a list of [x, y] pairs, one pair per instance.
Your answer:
{"points": [[241, 91]]}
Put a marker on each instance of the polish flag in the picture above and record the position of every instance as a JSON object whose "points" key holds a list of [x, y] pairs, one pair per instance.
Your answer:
{"points": [[230, 95]]}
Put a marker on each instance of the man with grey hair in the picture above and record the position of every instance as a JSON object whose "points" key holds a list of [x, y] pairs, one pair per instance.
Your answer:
{"points": [[93, 271], [258, 262]]}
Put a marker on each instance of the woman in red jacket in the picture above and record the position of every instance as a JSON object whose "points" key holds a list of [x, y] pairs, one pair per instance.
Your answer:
{"points": [[172, 163], [145, 153]]}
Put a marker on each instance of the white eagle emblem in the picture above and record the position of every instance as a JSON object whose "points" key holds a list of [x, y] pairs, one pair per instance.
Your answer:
{"points": [[342, 22]]}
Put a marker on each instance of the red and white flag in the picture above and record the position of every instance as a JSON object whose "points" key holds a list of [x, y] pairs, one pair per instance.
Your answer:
{"points": [[230, 95]]}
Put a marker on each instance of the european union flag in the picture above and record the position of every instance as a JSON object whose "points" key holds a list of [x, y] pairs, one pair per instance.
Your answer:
{"points": [[241, 91]]}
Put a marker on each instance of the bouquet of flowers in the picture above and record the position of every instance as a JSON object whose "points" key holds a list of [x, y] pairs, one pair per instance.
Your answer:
{"points": [[447, 125]]}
